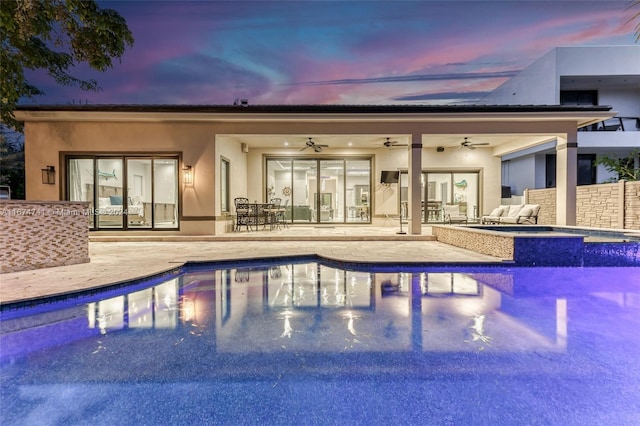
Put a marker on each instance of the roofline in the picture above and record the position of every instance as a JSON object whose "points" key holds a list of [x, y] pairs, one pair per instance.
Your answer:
{"points": [[581, 115], [317, 109]]}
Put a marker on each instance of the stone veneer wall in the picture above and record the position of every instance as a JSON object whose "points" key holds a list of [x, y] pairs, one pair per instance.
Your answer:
{"points": [[37, 234], [547, 200], [607, 205], [490, 243], [598, 206], [632, 205]]}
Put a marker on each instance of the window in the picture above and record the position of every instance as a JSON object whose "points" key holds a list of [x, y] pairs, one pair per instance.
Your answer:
{"points": [[224, 185], [578, 97], [126, 192], [586, 170]]}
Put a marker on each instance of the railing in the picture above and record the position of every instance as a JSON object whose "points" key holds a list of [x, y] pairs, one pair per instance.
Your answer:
{"points": [[615, 124]]}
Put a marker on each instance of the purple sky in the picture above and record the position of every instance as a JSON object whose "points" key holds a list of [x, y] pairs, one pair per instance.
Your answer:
{"points": [[337, 52]]}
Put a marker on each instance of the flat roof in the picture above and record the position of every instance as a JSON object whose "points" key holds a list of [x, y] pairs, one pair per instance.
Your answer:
{"points": [[319, 109]]}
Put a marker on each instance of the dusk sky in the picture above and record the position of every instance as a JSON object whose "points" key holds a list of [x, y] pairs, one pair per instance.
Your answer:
{"points": [[337, 52]]}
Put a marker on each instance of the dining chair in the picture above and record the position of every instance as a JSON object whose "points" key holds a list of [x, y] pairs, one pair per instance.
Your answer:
{"points": [[243, 213], [281, 216], [273, 211]]}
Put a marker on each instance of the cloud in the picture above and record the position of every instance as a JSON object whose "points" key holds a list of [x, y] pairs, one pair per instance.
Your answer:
{"points": [[442, 96], [408, 78]]}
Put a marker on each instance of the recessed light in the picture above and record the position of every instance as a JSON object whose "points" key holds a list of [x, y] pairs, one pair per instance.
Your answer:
{"points": [[350, 143], [286, 143]]}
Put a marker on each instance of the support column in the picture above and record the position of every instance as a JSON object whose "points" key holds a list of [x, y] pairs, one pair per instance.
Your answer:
{"points": [[566, 178], [415, 187]]}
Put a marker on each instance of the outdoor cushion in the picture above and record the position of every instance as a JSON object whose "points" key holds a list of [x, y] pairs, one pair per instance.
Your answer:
{"points": [[104, 202], [535, 209], [526, 212], [497, 212], [514, 210], [116, 200]]}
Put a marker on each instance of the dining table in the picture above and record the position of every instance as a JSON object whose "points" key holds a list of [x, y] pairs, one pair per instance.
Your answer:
{"points": [[259, 214]]}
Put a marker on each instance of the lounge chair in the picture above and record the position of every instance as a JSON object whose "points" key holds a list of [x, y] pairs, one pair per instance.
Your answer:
{"points": [[526, 214], [451, 214], [513, 214], [495, 215]]}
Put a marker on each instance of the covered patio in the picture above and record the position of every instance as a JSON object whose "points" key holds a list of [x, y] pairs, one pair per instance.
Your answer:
{"points": [[225, 151]]}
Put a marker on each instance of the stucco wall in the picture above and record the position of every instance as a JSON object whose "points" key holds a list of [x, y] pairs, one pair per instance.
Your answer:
{"points": [[42, 234]]}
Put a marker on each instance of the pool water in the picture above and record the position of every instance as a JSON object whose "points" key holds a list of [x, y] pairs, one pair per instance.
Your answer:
{"points": [[312, 342]]}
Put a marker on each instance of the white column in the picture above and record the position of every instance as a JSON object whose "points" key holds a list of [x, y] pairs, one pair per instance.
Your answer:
{"points": [[415, 175], [566, 178]]}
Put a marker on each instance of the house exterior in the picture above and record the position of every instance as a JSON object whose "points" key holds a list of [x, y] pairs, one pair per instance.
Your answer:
{"points": [[596, 75], [176, 169]]}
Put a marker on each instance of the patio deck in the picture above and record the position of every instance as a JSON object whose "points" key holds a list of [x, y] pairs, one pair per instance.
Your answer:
{"points": [[122, 258]]}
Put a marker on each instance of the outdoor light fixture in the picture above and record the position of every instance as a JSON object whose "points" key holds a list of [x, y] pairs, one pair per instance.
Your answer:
{"points": [[49, 175], [187, 175]]}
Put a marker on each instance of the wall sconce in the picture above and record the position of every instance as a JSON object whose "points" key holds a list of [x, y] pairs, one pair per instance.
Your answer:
{"points": [[49, 175], [187, 175]]}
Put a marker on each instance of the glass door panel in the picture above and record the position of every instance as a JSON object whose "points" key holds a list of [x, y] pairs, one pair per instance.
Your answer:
{"points": [[438, 192], [465, 193], [329, 205], [321, 191], [165, 193], [139, 193], [404, 196], [357, 191], [110, 193], [279, 184], [81, 184], [304, 186]]}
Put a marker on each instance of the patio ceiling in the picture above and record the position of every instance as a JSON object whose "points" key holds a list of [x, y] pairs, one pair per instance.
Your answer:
{"points": [[376, 141]]}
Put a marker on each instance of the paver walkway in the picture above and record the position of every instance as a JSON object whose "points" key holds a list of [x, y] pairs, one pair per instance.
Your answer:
{"points": [[116, 261]]}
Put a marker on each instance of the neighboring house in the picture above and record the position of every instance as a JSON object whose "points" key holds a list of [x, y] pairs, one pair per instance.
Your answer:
{"points": [[598, 75], [177, 168]]}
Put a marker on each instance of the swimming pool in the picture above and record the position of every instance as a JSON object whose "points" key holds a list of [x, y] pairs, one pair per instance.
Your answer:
{"points": [[311, 341]]}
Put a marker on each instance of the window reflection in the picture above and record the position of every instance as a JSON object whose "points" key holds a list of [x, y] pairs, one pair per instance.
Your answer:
{"points": [[316, 307]]}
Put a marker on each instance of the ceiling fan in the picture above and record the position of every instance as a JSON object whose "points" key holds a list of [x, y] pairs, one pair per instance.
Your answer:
{"points": [[390, 144], [466, 143], [316, 147]]}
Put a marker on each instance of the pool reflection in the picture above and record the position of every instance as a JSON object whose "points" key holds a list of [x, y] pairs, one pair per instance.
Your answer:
{"points": [[307, 342], [313, 307]]}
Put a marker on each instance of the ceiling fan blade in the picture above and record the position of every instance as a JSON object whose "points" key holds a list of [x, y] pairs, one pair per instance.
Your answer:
{"points": [[480, 144], [304, 148]]}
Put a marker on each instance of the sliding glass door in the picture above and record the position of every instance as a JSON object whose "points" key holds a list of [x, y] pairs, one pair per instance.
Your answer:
{"points": [[321, 190], [442, 188], [132, 192], [358, 191]]}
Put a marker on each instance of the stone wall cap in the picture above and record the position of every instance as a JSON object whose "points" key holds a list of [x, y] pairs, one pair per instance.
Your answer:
{"points": [[42, 203]]}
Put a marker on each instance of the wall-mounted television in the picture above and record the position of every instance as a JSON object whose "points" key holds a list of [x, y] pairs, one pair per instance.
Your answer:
{"points": [[389, 176]]}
